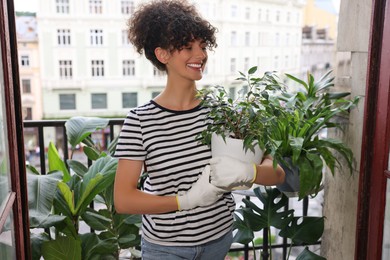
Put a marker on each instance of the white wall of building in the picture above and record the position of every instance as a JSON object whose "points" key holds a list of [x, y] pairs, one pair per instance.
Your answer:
{"points": [[267, 34]]}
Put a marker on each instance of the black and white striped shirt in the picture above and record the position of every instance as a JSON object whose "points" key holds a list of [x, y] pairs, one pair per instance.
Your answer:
{"points": [[166, 141]]}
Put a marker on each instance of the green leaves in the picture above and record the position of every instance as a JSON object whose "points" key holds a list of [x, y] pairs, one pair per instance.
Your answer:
{"points": [[60, 199], [252, 218], [240, 115], [62, 248], [78, 128], [301, 118]]}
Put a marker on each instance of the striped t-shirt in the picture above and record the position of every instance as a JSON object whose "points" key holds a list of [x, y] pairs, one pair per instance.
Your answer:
{"points": [[166, 141]]}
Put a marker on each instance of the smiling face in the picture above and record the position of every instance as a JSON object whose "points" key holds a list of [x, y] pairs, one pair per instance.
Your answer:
{"points": [[188, 62]]}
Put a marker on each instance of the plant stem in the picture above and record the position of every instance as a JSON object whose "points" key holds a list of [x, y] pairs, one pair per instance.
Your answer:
{"points": [[289, 251], [254, 249], [270, 243]]}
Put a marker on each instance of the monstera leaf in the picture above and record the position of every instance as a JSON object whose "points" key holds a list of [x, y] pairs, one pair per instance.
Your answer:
{"points": [[256, 218], [308, 231]]}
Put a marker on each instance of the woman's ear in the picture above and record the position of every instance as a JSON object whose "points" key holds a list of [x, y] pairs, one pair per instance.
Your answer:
{"points": [[162, 55]]}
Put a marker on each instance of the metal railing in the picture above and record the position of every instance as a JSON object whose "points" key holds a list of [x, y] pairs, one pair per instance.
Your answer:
{"points": [[36, 128]]}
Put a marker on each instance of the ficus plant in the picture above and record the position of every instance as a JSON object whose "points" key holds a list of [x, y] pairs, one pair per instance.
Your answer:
{"points": [[242, 117], [59, 200]]}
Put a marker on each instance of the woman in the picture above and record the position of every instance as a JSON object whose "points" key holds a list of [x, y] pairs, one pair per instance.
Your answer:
{"points": [[184, 215]]}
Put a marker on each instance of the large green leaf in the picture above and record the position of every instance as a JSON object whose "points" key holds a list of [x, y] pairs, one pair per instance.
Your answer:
{"points": [[41, 191], [273, 202], [99, 177], [95, 220], [67, 194], [78, 128], [244, 234], [36, 244], [56, 163], [79, 168], [309, 230], [105, 166], [310, 174], [63, 248], [38, 220], [89, 193], [306, 254], [95, 248]]}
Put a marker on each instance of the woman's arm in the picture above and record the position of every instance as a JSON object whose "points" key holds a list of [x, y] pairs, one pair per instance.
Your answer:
{"points": [[267, 174], [130, 200]]}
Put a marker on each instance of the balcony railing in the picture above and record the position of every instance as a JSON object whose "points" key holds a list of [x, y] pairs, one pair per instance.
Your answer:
{"points": [[36, 130]]}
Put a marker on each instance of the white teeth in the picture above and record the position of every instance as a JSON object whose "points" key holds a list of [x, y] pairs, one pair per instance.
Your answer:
{"points": [[194, 65]]}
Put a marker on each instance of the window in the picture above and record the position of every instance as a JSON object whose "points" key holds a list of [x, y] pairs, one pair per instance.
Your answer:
{"points": [[233, 38], [25, 61], [125, 38], [248, 13], [246, 64], [277, 18], [247, 38], [233, 65], [259, 15], [96, 36], [288, 17], [27, 113], [67, 101], [63, 36], [62, 6], [267, 15], [95, 7], [277, 39], [97, 68], [65, 67], [127, 7], [155, 94], [158, 73], [26, 86], [233, 11], [129, 100], [99, 100], [128, 67], [287, 39], [276, 62], [232, 92]]}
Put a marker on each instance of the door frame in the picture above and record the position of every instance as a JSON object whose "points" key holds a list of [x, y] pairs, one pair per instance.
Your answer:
{"points": [[17, 201], [376, 138]]}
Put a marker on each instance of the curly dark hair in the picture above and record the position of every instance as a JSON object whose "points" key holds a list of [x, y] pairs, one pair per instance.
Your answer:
{"points": [[170, 25]]}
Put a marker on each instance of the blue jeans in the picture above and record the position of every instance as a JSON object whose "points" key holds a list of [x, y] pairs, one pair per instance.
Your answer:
{"points": [[214, 250]]}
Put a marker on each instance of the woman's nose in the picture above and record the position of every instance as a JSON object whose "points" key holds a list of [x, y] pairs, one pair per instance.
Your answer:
{"points": [[201, 53]]}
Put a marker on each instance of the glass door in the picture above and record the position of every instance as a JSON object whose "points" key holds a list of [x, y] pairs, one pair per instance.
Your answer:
{"points": [[14, 223], [7, 197], [386, 225]]}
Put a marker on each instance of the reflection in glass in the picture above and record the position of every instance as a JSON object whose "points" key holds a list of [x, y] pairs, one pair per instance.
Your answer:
{"points": [[7, 247], [5, 187], [386, 226]]}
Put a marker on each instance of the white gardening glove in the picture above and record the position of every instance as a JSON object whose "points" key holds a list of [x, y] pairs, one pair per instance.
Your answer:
{"points": [[202, 193], [230, 174]]}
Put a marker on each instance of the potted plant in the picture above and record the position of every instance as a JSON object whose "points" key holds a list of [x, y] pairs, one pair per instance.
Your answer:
{"points": [[239, 121], [301, 230], [294, 132], [60, 199]]}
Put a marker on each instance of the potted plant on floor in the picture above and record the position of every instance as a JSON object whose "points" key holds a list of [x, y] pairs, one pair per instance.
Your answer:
{"points": [[300, 230], [294, 133], [239, 122], [59, 202]]}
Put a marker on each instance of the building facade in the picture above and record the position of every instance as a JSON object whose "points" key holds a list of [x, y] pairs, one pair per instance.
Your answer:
{"points": [[89, 68], [29, 65]]}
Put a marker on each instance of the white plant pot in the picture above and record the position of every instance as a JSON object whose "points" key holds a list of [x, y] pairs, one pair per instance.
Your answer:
{"points": [[234, 148]]}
